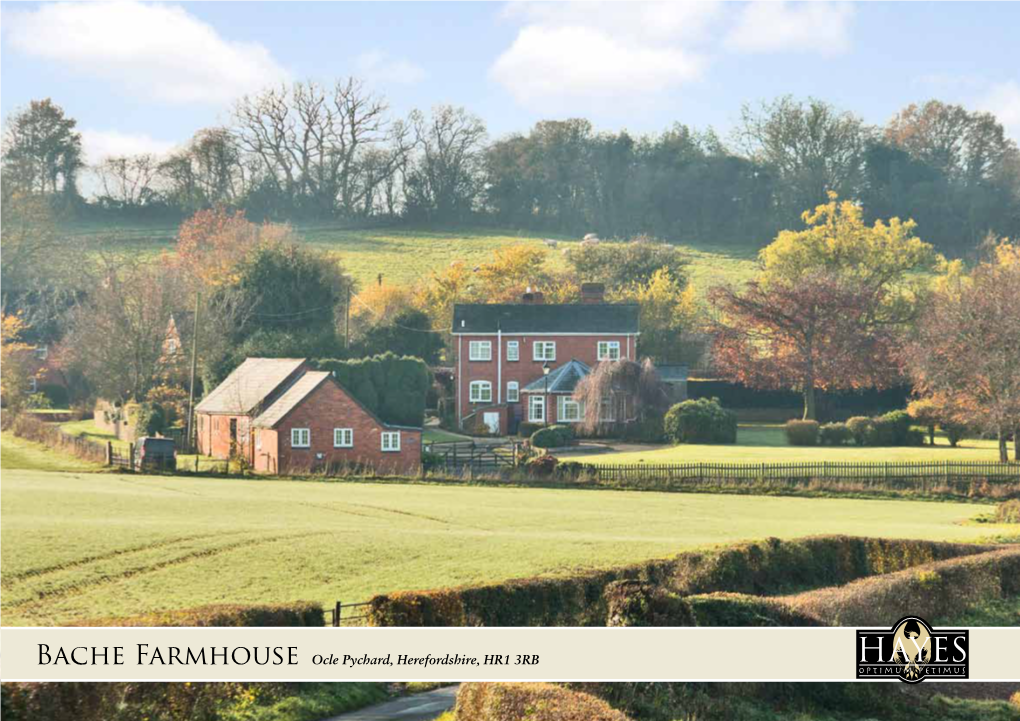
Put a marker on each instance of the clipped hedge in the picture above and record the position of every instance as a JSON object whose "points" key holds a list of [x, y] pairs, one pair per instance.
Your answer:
{"points": [[933, 591], [297, 613], [700, 421], [770, 566], [530, 702], [633, 603], [391, 386], [555, 436], [802, 433]]}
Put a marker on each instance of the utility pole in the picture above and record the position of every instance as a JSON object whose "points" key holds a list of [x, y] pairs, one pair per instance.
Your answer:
{"points": [[347, 318], [194, 364]]}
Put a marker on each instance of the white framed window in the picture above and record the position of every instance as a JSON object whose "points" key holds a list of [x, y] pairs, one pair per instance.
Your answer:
{"points": [[390, 441], [609, 350], [568, 410], [300, 437], [480, 350], [343, 438], [607, 410], [42, 351], [33, 385], [513, 392], [481, 392], [171, 346], [513, 350], [544, 350], [258, 440], [536, 409]]}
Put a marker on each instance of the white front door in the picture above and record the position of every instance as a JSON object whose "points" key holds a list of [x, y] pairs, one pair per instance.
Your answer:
{"points": [[491, 421]]}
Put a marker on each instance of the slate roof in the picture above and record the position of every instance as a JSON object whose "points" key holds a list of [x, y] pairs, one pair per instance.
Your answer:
{"points": [[546, 318], [561, 380], [289, 399], [249, 385]]}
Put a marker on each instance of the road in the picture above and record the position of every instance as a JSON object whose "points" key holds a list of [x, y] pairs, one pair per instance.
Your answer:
{"points": [[418, 707]]}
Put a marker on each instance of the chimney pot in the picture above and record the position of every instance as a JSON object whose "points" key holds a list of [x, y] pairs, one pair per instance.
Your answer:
{"points": [[593, 292]]}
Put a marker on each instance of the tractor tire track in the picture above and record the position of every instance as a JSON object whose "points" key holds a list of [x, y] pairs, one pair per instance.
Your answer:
{"points": [[81, 587], [11, 578]]}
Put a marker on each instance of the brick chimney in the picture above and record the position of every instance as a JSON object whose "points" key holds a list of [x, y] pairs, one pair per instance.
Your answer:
{"points": [[532, 297], [593, 293]]}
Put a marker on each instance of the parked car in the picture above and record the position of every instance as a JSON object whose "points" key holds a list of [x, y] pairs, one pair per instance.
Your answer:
{"points": [[153, 453]]}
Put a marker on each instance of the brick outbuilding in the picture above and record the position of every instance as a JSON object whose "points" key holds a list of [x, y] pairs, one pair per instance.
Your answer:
{"points": [[284, 417]]}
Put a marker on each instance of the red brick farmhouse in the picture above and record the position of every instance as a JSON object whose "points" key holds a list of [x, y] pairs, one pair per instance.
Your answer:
{"points": [[283, 417], [521, 361]]}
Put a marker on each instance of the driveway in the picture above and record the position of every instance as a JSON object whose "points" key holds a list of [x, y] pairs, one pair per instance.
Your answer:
{"points": [[418, 707]]}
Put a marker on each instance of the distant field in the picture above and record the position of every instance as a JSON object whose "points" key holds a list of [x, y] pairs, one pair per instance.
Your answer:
{"points": [[85, 545], [760, 443], [405, 255], [20, 454]]}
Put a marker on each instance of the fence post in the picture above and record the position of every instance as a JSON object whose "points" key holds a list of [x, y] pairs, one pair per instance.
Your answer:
{"points": [[336, 614], [131, 456], [109, 453]]}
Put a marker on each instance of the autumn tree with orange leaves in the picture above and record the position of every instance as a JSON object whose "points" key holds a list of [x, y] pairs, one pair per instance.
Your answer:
{"points": [[965, 351]]}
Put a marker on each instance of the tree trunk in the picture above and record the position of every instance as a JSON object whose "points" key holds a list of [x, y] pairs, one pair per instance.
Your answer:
{"points": [[931, 434], [809, 402], [1016, 443], [1003, 447]]}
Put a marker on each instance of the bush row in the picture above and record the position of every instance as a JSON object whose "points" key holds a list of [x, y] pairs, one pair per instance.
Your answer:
{"points": [[530, 702], [891, 429], [700, 421], [297, 613], [762, 567], [633, 603], [933, 591]]}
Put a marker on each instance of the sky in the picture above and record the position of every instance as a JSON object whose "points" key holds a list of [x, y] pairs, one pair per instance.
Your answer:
{"points": [[143, 77]]}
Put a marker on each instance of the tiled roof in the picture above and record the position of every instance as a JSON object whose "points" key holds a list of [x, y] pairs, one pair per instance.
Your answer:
{"points": [[288, 400], [249, 385], [561, 380], [546, 318]]}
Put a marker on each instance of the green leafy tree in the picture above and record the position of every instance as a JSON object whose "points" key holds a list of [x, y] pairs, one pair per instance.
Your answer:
{"points": [[42, 150]]}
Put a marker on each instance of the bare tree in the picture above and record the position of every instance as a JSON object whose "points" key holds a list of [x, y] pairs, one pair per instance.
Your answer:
{"points": [[128, 180], [313, 141]]}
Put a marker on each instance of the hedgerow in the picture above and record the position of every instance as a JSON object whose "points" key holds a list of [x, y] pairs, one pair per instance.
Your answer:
{"points": [[762, 567], [932, 591], [297, 613], [530, 702]]}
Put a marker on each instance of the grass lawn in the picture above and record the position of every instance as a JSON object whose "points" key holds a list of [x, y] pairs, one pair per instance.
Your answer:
{"points": [[20, 454], [762, 443], [404, 255], [81, 545], [88, 429], [438, 435]]}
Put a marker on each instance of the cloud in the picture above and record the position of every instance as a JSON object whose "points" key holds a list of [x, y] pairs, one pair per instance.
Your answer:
{"points": [[1003, 101], [769, 27], [378, 67], [158, 52], [602, 53], [100, 144]]}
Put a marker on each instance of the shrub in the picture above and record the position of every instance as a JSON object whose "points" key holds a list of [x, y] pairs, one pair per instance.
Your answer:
{"points": [[552, 437], [573, 470], [700, 421], [432, 461], [802, 433], [298, 613], [890, 429], [955, 432], [1008, 512], [860, 429], [543, 465], [914, 437], [526, 429], [834, 434], [530, 702]]}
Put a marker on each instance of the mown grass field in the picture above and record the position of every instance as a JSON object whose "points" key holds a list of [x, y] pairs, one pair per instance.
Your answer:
{"points": [[81, 545], [763, 443], [405, 255]]}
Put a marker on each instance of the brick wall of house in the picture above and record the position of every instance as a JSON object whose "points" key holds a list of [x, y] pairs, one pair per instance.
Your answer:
{"points": [[329, 407], [213, 435], [580, 347]]}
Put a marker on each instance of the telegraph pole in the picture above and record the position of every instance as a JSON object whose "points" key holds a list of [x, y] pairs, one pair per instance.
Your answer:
{"points": [[194, 364]]}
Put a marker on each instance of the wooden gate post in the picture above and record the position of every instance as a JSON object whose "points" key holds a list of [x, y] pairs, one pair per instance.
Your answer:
{"points": [[109, 453], [131, 456]]}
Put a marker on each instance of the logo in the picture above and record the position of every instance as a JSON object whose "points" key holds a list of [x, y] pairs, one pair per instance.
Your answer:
{"points": [[913, 651]]}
